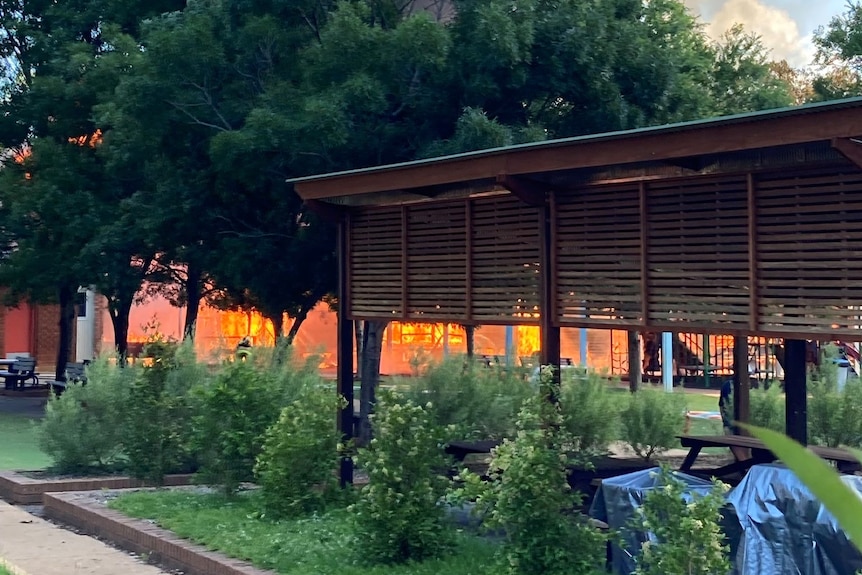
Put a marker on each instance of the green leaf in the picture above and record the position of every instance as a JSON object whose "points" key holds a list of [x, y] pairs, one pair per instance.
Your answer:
{"points": [[823, 481]]}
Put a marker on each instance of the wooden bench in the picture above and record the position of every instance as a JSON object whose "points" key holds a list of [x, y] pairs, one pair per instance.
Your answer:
{"points": [[844, 460], [22, 370], [75, 373]]}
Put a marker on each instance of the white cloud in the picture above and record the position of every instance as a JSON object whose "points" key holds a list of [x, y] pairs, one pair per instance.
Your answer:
{"points": [[779, 31]]}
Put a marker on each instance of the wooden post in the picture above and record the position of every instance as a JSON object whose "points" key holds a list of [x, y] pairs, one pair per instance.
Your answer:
{"points": [[345, 350], [796, 390], [741, 382]]}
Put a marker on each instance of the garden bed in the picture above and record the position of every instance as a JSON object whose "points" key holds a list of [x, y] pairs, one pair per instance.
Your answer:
{"points": [[184, 528], [28, 488]]}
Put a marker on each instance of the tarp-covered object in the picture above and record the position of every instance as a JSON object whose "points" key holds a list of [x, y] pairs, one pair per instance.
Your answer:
{"points": [[785, 529], [615, 504]]}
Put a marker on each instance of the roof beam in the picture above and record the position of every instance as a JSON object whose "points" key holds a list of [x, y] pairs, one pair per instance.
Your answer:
{"points": [[528, 191], [722, 135], [850, 148]]}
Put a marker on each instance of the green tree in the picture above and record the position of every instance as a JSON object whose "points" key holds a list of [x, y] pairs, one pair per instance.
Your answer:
{"points": [[62, 64], [743, 78], [839, 46]]}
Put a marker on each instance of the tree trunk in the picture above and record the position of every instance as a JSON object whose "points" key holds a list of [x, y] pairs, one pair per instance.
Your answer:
{"points": [[119, 309], [634, 360], [470, 336], [372, 347], [66, 296], [193, 301], [277, 320], [294, 327]]}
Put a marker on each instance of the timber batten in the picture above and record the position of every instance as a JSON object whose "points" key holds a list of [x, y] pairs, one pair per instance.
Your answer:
{"points": [[750, 225]]}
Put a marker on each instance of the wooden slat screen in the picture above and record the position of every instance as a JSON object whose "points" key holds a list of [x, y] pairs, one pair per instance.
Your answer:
{"points": [[375, 263], [436, 261], [598, 256], [505, 261], [810, 251], [697, 262]]}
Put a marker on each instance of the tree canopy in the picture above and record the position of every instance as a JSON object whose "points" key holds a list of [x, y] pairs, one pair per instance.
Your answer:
{"points": [[153, 138]]}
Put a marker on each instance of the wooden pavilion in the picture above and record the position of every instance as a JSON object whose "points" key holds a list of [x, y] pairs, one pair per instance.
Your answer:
{"points": [[742, 225]]}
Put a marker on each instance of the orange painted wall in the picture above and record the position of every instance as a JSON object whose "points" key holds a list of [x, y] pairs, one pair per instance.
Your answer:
{"points": [[18, 329]]}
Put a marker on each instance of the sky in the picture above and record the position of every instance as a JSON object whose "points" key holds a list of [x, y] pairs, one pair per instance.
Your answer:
{"points": [[786, 26]]}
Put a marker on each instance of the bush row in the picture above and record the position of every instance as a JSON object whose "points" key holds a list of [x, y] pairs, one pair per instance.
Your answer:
{"points": [[170, 413]]}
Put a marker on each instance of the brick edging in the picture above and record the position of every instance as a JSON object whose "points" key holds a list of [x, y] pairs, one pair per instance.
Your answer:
{"points": [[19, 489], [162, 546]]}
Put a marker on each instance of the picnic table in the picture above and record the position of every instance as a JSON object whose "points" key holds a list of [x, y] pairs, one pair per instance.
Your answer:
{"points": [[18, 371], [461, 449], [844, 460]]}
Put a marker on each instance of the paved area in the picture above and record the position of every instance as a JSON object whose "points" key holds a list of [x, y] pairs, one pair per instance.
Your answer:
{"points": [[27, 406], [32, 546]]}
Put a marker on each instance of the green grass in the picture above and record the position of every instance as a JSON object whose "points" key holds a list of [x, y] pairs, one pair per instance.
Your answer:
{"points": [[4, 571], [310, 546], [20, 450]]}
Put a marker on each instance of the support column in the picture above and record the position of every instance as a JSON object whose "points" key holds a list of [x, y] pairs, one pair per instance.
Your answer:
{"points": [[549, 333], [583, 346], [667, 360], [796, 390], [633, 346], [741, 382], [345, 350]]}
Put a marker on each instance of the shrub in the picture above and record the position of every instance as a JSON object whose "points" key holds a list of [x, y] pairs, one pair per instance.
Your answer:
{"points": [[83, 428], [835, 417], [300, 454], [231, 417], [399, 516], [158, 414], [686, 536], [651, 420], [591, 412], [767, 407], [473, 402], [529, 497]]}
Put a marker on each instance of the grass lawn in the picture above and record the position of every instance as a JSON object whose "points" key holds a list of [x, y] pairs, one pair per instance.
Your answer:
{"points": [[308, 546], [4, 571], [20, 450]]}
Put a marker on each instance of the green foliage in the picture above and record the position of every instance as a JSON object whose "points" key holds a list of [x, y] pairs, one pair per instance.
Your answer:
{"points": [[591, 411], [651, 420], [83, 429], [159, 412], [470, 401], [686, 536], [315, 545], [823, 481], [834, 417], [399, 516], [767, 407], [296, 468], [529, 497], [232, 414]]}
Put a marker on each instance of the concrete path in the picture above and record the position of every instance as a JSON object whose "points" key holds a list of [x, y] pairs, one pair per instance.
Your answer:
{"points": [[32, 546]]}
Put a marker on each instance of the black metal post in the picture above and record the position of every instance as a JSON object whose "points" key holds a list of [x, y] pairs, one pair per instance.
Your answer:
{"points": [[549, 333], [345, 352], [741, 381], [796, 390]]}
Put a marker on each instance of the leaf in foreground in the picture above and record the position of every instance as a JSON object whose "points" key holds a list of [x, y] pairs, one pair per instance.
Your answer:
{"points": [[823, 481]]}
